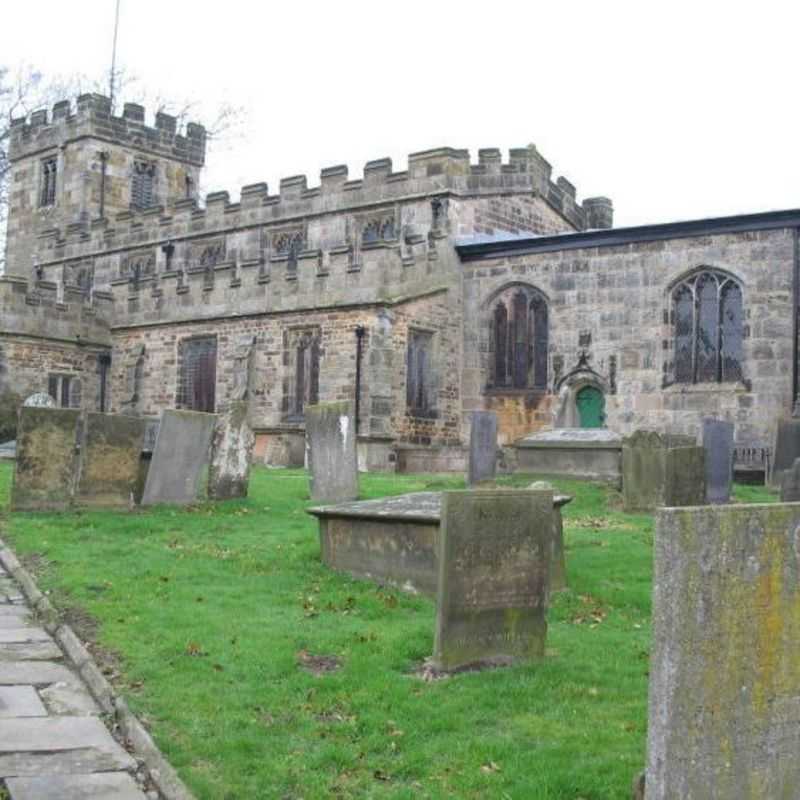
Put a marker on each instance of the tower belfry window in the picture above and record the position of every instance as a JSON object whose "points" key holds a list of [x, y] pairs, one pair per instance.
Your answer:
{"points": [[142, 195], [48, 192]]}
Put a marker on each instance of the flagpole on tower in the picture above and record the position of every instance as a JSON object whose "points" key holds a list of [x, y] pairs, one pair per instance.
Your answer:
{"points": [[113, 75]]}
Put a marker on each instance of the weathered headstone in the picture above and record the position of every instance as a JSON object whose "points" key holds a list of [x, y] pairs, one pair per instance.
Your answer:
{"points": [[110, 456], [39, 400], [790, 483], [787, 448], [331, 452], [46, 465], [662, 470], [558, 560], [494, 571], [724, 677], [482, 447], [718, 447], [179, 467], [231, 453]]}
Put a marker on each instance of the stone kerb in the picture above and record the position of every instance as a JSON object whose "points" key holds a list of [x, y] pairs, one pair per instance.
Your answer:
{"points": [[493, 589], [331, 449], [662, 470], [724, 694]]}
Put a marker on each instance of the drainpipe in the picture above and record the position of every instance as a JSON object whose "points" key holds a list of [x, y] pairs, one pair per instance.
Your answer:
{"points": [[795, 324], [360, 331]]}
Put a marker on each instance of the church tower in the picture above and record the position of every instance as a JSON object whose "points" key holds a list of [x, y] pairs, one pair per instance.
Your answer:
{"points": [[70, 168]]}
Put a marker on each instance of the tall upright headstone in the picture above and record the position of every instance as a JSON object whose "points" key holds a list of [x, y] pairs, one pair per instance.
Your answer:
{"points": [[724, 698], [494, 571], [331, 452], [47, 458], [111, 450], [718, 446], [178, 470], [662, 470], [231, 453], [787, 448], [790, 483], [482, 447]]}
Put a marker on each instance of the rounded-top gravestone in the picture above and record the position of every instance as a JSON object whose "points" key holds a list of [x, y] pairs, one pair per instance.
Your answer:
{"points": [[39, 400]]}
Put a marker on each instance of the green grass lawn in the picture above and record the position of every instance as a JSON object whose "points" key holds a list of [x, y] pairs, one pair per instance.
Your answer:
{"points": [[206, 611]]}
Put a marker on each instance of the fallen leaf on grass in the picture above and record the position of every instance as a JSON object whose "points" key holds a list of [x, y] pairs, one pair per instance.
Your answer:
{"points": [[317, 664], [194, 649], [380, 775], [489, 767]]}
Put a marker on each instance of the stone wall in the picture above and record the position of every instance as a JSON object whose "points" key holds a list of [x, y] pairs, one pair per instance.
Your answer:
{"points": [[613, 304]]}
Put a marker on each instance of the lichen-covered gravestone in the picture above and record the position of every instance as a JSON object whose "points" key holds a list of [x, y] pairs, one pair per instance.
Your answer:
{"points": [[790, 483], [110, 455], [482, 447], [787, 448], [558, 561], [724, 705], [662, 470], [494, 571], [178, 470], [718, 446], [46, 465], [231, 453], [331, 449]]}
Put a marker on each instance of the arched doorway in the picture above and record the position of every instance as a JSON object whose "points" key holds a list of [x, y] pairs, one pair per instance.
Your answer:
{"points": [[591, 405]]}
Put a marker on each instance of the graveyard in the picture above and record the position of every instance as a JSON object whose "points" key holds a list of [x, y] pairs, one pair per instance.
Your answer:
{"points": [[262, 672]]}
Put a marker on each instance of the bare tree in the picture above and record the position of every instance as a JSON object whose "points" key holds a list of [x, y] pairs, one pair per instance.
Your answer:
{"points": [[26, 90]]}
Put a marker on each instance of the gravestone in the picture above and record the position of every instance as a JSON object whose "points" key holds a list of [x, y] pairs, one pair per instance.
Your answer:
{"points": [[718, 447], [39, 400], [558, 561], [790, 483], [331, 452], [787, 448], [662, 470], [231, 453], [178, 470], [46, 465], [724, 693], [482, 447], [110, 454], [494, 571]]}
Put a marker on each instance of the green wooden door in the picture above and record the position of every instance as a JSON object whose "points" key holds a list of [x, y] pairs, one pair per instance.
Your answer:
{"points": [[591, 407]]}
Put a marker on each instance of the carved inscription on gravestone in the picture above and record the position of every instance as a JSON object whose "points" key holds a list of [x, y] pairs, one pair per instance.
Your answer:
{"points": [[724, 707], [494, 567]]}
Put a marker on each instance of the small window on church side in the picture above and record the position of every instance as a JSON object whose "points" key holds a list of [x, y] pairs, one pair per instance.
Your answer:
{"points": [[197, 379], [301, 379], [142, 194], [64, 389], [47, 196], [420, 394]]}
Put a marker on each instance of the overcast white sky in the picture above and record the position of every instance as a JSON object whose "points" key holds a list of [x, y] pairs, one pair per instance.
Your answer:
{"points": [[675, 110]]}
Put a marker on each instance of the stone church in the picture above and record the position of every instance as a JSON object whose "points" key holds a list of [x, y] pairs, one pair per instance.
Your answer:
{"points": [[420, 295]]}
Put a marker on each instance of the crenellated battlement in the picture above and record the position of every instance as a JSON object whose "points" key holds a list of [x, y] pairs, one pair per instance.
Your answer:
{"points": [[55, 310], [92, 117]]}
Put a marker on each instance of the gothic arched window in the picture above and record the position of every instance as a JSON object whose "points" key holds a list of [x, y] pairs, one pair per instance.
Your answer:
{"points": [[519, 339], [708, 321]]}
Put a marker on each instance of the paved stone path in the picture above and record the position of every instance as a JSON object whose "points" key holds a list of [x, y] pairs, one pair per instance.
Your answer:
{"points": [[53, 744]]}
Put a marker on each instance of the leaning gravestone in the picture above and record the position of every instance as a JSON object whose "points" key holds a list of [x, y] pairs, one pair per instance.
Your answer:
{"points": [[231, 453], [787, 448], [179, 467], [718, 447], [662, 470], [494, 570], [110, 457], [724, 677], [482, 447], [331, 452], [44, 472], [790, 483]]}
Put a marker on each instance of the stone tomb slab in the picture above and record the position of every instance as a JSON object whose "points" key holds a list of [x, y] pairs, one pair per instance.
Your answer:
{"points": [[20, 701], [582, 453], [331, 447], [178, 471], [482, 447], [110, 456], [395, 540], [724, 699], [97, 786], [231, 454], [494, 572], [718, 438], [46, 464]]}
